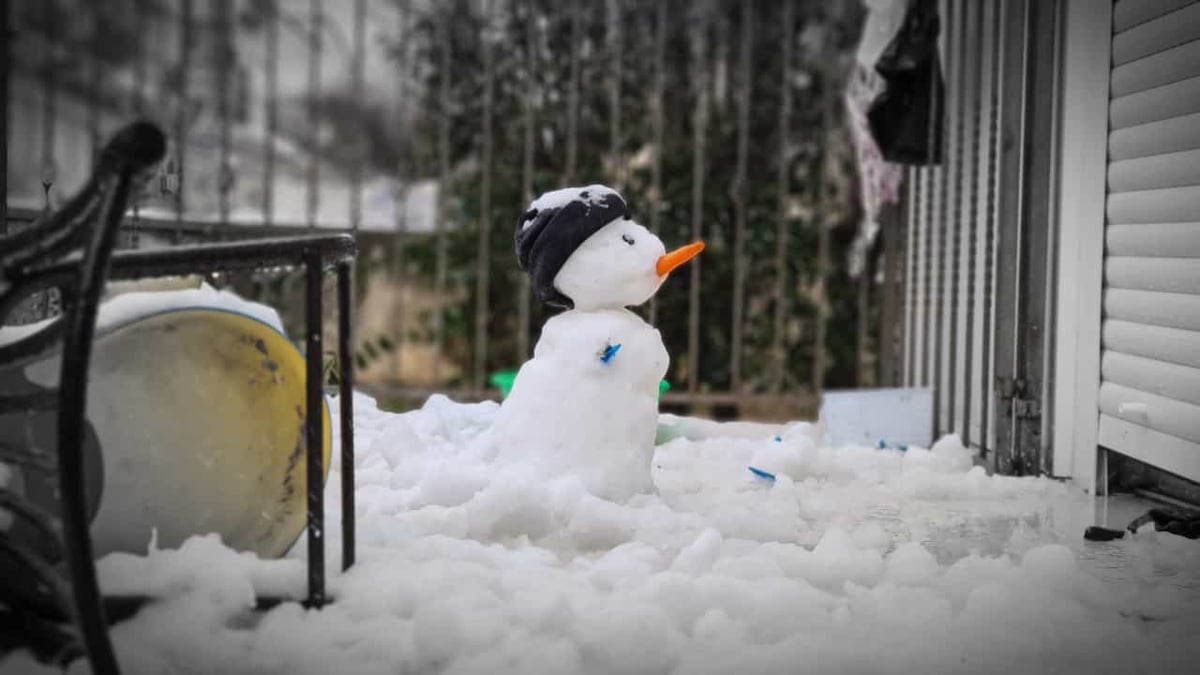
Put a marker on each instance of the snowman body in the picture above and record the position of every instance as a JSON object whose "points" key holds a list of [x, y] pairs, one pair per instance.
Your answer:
{"points": [[586, 404], [572, 413]]}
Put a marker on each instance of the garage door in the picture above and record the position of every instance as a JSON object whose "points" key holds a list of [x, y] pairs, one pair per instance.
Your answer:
{"points": [[1150, 368]]}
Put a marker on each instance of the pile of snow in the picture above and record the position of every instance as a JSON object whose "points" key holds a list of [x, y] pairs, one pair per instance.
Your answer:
{"points": [[851, 560]]}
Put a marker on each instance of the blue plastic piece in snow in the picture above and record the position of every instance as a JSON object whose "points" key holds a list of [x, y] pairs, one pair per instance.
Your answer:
{"points": [[779, 439], [609, 352], [761, 474]]}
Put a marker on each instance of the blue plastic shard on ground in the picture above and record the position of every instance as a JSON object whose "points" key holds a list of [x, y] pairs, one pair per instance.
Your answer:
{"points": [[760, 473], [609, 352], [779, 439]]}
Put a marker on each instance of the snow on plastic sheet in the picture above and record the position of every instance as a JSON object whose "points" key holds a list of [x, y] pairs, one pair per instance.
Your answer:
{"points": [[854, 560], [128, 307]]}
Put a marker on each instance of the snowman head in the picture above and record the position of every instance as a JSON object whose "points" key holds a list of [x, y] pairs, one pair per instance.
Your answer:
{"points": [[585, 252]]}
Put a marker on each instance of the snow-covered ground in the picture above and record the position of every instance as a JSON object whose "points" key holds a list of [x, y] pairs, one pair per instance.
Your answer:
{"points": [[854, 560]]}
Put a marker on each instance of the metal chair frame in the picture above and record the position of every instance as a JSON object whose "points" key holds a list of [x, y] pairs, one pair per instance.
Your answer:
{"points": [[72, 250]]}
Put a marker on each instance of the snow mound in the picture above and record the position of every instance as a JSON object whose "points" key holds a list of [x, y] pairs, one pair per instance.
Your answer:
{"points": [[852, 560]]}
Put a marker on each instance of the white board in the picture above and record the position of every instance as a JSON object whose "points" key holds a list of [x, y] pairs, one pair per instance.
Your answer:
{"points": [[897, 417]]}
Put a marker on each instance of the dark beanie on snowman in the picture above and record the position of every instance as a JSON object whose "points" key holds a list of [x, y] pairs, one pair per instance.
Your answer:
{"points": [[547, 237]]}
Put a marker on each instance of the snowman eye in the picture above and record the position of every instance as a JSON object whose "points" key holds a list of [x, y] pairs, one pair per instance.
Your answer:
{"points": [[627, 239]]}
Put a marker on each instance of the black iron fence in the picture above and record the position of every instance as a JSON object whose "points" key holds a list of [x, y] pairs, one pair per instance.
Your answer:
{"points": [[426, 127]]}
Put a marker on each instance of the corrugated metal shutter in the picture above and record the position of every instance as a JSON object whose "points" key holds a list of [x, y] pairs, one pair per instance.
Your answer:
{"points": [[1150, 369]]}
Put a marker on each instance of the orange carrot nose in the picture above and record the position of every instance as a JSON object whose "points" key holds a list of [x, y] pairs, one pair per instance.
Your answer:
{"points": [[677, 257]]}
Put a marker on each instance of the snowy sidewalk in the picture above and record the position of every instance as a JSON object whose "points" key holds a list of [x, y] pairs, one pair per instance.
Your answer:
{"points": [[853, 560]]}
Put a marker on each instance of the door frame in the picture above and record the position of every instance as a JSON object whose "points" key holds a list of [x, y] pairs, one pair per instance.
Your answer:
{"points": [[1082, 187]]}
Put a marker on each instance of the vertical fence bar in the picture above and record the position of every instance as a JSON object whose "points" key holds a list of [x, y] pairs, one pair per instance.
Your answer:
{"points": [[921, 273], [944, 228], [987, 433], [181, 113], [314, 429], [137, 95], [891, 298], [613, 39], [910, 280], [95, 83], [5, 65], [271, 94], [356, 94], [224, 56], [49, 101], [782, 187], [1010, 221], [973, 91], [137, 104], [741, 195], [699, 132], [988, 54], [527, 147], [822, 294], [573, 94], [439, 283], [316, 25], [404, 172], [483, 260], [345, 336], [927, 222], [954, 98], [656, 129]]}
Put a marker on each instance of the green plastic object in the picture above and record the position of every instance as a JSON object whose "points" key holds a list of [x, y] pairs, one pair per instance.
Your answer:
{"points": [[503, 380]]}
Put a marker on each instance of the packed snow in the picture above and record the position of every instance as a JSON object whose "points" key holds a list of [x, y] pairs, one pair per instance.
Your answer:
{"points": [[852, 560]]}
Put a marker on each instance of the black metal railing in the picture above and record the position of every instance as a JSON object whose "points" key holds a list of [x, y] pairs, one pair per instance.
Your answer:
{"points": [[71, 250]]}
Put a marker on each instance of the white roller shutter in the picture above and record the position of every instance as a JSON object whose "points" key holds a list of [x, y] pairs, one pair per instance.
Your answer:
{"points": [[1150, 368]]}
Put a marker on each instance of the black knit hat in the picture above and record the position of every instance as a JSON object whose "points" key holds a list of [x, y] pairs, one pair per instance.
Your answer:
{"points": [[547, 237]]}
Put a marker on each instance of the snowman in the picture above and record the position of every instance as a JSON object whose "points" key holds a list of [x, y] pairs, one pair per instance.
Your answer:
{"points": [[586, 404]]}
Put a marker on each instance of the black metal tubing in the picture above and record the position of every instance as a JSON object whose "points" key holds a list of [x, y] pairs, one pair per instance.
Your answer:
{"points": [[346, 417], [223, 257], [314, 431], [77, 351], [91, 222]]}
